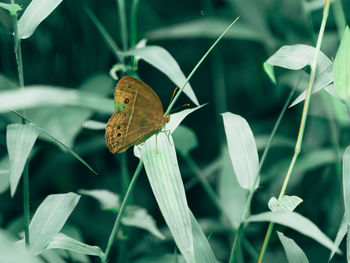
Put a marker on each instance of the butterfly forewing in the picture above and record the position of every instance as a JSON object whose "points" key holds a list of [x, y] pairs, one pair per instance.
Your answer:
{"points": [[141, 117]]}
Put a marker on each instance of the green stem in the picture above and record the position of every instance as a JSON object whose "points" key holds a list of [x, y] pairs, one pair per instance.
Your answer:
{"points": [[123, 24], [302, 124], [133, 30], [196, 67], [121, 211], [106, 36], [339, 17], [239, 234], [18, 53]]}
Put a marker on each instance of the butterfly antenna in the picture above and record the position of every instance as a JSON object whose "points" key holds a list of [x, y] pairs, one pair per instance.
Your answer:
{"points": [[172, 97], [183, 106]]}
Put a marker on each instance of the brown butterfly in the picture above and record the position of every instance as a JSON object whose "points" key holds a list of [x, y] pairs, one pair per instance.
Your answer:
{"points": [[142, 116]]}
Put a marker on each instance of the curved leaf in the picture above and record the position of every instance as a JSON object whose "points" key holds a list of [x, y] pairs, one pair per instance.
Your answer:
{"points": [[242, 149], [294, 253]]}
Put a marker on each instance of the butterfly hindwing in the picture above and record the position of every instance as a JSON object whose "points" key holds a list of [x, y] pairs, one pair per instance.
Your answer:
{"points": [[141, 117]]}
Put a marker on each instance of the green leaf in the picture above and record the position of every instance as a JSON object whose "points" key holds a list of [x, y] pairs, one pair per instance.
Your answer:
{"points": [[63, 122], [14, 252], [49, 219], [4, 174], [107, 199], [342, 67], [138, 217], [58, 142], [185, 139], [94, 125], [160, 58], [346, 182], [61, 241], [205, 28], [286, 204], [297, 222], [294, 253], [20, 139], [343, 228], [159, 157], [202, 250], [297, 57], [12, 8], [34, 14], [242, 149], [232, 196], [177, 118], [39, 95]]}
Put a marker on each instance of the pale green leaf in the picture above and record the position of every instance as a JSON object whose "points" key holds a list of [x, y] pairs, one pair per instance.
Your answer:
{"points": [[296, 57], [34, 14], [63, 122], [206, 28], [163, 173], [49, 219], [94, 125], [294, 253], [20, 139], [297, 222], [12, 8], [57, 142], [242, 149], [4, 174], [286, 204], [61, 241], [202, 250], [232, 196], [107, 199], [346, 182], [11, 252], [159, 58], [348, 243], [177, 118], [343, 228], [138, 217], [185, 140], [342, 67], [39, 95]]}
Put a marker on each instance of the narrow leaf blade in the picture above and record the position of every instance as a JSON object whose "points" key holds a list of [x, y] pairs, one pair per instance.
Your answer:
{"points": [[298, 223], [34, 14], [20, 139], [161, 59], [242, 149], [61, 241], [294, 253], [49, 219]]}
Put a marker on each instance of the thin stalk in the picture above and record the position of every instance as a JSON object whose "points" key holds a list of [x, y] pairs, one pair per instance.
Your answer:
{"points": [[133, 30], [196, 67], [18, 53], [106, 36], [239, 234], [339, 17], [123, 24], [121, 211], [302, 124]]}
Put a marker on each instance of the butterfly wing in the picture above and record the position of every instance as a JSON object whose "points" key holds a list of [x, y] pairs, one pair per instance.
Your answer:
{"points": [[141, 117]]}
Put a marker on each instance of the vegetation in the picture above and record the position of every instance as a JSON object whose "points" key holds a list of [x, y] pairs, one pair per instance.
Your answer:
{"points": [[256, 169]]}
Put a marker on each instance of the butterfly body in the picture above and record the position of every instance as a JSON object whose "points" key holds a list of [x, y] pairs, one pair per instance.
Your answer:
{"points": [[142, 116]]}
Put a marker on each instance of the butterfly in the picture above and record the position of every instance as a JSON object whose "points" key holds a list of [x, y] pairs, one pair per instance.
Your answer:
{"points": [[141, 117]]}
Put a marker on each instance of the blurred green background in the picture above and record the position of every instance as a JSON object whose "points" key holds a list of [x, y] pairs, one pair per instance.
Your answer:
{"points": [[66, 50]]}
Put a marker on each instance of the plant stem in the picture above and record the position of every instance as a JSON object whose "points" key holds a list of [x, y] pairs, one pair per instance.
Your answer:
{"points": [[121, 211], [196, 67], [239, 234], [133, 30], [18, 53], [302, 124], [123, 24]]}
